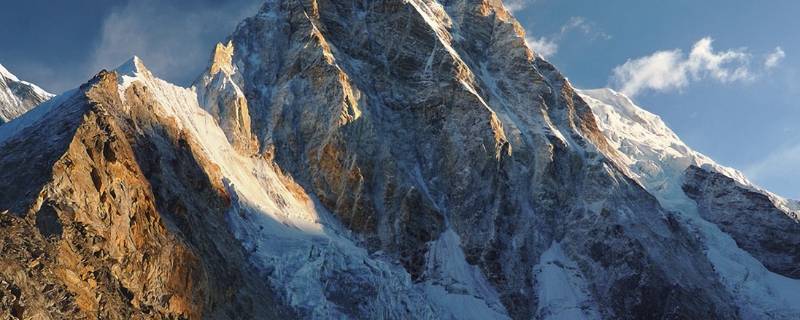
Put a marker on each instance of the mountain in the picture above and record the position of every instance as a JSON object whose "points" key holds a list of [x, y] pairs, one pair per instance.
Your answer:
{"points": [[17, 96], [391, 159]]}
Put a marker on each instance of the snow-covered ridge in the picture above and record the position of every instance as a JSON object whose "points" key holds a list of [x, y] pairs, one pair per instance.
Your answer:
{"points": [[17, 96], [7, 74], [654, 153], [4, 73], [182, 105], [657, 158]]}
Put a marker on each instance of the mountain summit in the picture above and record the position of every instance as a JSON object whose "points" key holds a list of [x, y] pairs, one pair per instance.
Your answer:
{"points": [[17, 96], [399, 159]]}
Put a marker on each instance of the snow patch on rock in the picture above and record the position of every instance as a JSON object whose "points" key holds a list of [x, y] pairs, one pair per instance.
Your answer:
{"points": [[563, 292], [457, 286]]}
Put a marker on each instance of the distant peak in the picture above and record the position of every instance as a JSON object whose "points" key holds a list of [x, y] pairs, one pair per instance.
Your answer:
{"points": [[222, 60], [132, 67], [7, 74]]}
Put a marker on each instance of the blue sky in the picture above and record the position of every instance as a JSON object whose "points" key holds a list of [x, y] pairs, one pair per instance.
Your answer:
{"points": [[720, 96]]}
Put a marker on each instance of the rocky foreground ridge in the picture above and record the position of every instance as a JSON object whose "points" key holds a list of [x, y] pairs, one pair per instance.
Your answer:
{"points": [[382, 159]]}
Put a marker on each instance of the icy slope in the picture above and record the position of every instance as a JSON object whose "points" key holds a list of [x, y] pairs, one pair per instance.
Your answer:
{"points": [[17, 96], [654, 154], [659, 160]]}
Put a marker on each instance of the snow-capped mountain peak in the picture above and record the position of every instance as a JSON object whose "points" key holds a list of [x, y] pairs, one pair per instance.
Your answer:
{"points": [[17, 96], [7, 74], [132, 68], [714, 200], [656, 156]]}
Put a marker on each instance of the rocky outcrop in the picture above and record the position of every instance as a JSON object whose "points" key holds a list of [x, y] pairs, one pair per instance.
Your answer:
{"points": [[759, 225], [219, 93], [17, 96]]}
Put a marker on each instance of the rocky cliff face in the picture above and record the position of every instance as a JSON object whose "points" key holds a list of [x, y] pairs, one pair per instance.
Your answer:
{"points": [[409, 120], [768, 231], [17, 96], [352, 159]]}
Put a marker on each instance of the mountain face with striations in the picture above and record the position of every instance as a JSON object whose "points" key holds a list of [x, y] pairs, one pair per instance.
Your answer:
{"points": [[388, 159], [17, 96]]}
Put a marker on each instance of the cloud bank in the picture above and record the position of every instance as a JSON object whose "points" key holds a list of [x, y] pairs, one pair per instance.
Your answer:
{"points": [[673, 70], [174, 38]]}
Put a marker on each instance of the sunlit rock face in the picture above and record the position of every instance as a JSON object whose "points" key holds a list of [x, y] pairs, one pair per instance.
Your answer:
{"points": [[220, 95], [111, 212], [17, 96]]}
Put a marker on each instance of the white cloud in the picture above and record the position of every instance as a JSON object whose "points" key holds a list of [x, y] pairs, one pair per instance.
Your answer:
{"points": [[517, 5], [543, 46], [660, 71], [547, 46], [774, 59], [174, 40], [673, 70], [584, 26]]}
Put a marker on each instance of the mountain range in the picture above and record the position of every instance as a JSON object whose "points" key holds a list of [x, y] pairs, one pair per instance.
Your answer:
{"points": [[397, 159]]}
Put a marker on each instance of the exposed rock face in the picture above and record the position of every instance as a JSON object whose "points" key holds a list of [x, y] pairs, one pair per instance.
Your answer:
{"points": [[17, 96], [404, 131], [758, 224], [124, 219]]}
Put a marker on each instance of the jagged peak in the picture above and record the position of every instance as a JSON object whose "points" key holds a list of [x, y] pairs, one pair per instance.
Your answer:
{"points": [[133, 67], [7, 74], [222, 59]]}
